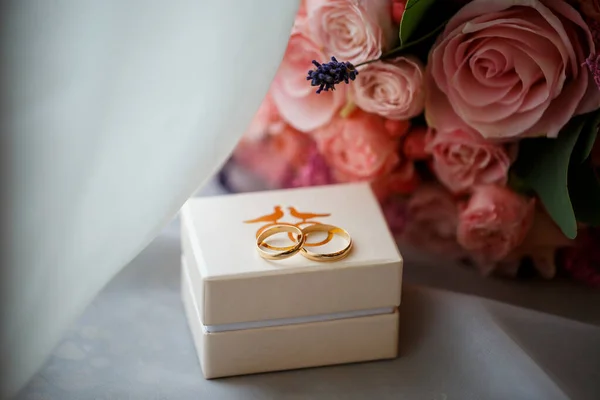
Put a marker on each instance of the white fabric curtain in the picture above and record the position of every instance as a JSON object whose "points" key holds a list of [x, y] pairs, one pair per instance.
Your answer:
{"points": [[115, 112]]}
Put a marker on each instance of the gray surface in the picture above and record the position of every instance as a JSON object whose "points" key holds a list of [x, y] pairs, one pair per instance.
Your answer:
{"points": [[133, 343]]}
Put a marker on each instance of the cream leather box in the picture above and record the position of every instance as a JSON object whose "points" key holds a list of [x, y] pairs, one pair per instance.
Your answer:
{"points": [[250, 315]]}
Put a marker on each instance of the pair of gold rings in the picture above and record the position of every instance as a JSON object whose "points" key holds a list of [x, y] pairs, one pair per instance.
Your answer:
{"points": [[300, 238]]}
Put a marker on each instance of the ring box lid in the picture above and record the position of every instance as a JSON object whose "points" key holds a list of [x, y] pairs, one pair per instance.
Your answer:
{"points": [[235, 285]]}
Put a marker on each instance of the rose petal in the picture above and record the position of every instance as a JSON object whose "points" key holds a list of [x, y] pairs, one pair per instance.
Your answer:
{"points": [[311, 111]]}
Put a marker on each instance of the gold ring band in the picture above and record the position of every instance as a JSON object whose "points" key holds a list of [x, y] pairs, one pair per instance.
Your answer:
{"points": [[287, 252], [321, 257], [315, 244]]}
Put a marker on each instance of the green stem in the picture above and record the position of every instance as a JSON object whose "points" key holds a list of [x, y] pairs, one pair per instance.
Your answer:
{"points": [[404, 47], [368, 62]]}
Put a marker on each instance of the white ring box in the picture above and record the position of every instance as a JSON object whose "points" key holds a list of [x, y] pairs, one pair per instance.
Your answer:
{"points": [[251, 315]]}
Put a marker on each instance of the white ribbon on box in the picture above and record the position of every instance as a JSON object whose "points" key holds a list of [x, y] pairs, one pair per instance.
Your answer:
{"points": [[300, 320]]}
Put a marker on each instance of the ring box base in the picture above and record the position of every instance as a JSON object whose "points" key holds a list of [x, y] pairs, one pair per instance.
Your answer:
{"points": [[287, 347], [251, 315]]}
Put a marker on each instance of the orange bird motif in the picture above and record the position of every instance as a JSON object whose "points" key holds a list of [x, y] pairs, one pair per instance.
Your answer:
{"points": [[276, 216], [305, 216]]}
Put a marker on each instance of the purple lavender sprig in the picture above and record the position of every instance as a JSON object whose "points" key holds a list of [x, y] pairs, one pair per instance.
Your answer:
{"points": [[327, 75]]}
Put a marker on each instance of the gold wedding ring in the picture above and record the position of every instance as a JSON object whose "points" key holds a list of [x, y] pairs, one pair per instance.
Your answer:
{"points": [[326, 257], [315, 244], [288, 251]]}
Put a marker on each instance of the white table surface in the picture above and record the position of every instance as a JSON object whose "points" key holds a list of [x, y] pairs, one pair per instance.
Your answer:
{"points": [[133, 342]]}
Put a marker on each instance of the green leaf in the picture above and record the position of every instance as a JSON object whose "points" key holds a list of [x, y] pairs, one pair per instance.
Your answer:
{"points": [[543, 166], [584, 189], [517, 184], [410, 45], [587, 137], [414, 14]]}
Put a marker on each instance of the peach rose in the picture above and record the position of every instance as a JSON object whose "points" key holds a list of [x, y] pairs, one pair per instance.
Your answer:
{"points": [[392, 89], [494, 222], [293, 96], [358, 148], [511, 68], [462, 160], [432, 220], [266, 121], [352, 30]]}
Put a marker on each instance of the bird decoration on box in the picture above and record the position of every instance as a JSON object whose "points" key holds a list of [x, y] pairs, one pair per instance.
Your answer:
{"points": [[274, 217], [305, 216]]}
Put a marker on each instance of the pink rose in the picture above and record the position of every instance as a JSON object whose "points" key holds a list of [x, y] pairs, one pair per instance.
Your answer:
{"points": [[266, 121], [395, 213], [591, 8], [511, 68], [358, 148], [494, 222], [415, 143], [582, 261], [293, 95], [398, 7], [391, 89], [404, 180], [539, 246], [396, 128], [432, 220], [351, 30], [462, 160], [315, 172], [593, 63], [275, 159]]}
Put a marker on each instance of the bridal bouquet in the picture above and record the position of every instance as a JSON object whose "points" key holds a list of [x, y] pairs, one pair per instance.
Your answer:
{"points": [[476, 122]]}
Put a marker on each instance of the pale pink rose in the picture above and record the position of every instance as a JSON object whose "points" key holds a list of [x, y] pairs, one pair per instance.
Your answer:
{"points": [[352, 30], [393, 89], [432, 219], [358, 148], [294, 97], [511, 68], [266, 121], [301, 18], [462, 160], [494, 222]]}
